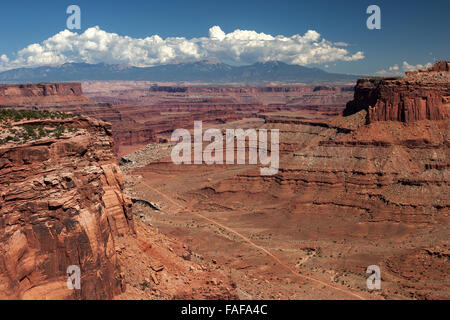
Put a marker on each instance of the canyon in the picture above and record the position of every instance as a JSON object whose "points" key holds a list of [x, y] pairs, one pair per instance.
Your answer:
{"points": [[141, 112], [363, 179]]}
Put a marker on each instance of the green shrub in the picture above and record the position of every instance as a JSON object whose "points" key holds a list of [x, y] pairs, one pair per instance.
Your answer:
{"points": [[41, 132], [59, 131], [18, 115]]}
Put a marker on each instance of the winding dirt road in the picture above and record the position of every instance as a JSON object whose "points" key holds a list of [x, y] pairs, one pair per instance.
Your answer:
{"points": [[189, 209]]}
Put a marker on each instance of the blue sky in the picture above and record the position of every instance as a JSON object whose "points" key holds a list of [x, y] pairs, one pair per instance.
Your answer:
{"points": [[412, 31]]}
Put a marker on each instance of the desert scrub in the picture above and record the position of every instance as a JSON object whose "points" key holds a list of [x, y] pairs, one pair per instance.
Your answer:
{"points": [[59, 131], [19, 115], [9, 138], [41, 132], [26, 132], [30, 131]]}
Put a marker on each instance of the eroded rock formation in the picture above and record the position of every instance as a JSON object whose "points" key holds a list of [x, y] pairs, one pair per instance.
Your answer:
{"points": [[421, 95], [41, 94], [61, 204]]}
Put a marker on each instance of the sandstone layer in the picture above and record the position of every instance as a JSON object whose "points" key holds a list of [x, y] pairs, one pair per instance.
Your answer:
{"points": [[41, 94], [422, 95], [61, 204]]}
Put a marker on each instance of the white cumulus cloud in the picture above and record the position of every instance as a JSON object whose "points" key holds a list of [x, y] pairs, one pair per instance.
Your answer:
{"points": [[408, 67], [238, 47], [396, 71]]}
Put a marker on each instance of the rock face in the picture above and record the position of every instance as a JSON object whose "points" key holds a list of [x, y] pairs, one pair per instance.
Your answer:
{"points": [[441, 66], [381, 172], [61, 204], [422, 95]]}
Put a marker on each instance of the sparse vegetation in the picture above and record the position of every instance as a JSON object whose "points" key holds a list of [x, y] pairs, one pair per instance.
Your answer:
{"points": [[19, 115], [59, 131], [22, 133]]}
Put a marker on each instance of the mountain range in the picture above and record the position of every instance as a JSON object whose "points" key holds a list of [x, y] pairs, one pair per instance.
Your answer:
{"points": [[200, 71]]}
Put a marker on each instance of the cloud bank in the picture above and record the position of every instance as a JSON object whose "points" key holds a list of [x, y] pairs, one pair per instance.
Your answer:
{"points": [[395, 69], [237, 48]]}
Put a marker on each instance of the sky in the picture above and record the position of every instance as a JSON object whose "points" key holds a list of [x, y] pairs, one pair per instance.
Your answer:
{"points": [[329, 34]]}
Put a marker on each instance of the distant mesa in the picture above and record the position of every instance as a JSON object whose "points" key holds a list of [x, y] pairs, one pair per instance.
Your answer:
{"points": [[41, 94]]}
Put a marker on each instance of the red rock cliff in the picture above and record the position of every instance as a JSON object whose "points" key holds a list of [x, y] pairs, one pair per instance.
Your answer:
{"points": [[61, 204], [422, 95]]}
